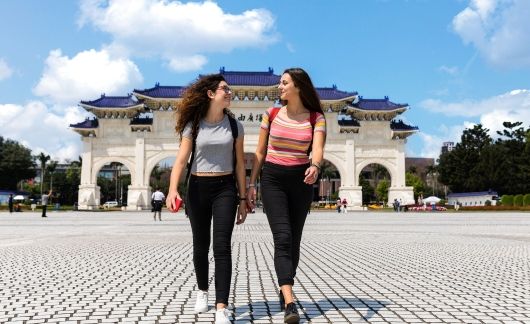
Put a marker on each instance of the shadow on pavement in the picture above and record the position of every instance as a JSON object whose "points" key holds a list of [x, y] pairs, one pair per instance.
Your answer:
{"points": [[365, 308]]}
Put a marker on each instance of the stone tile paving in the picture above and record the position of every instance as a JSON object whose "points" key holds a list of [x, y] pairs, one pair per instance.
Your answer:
{"points": [[114, 267]]}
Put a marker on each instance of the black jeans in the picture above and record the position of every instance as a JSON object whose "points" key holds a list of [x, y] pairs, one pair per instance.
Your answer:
{"points": [[215, 197], [286, 199], [44, 210]]}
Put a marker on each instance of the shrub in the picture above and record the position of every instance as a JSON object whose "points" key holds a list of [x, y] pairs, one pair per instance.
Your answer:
{"points": [[507, 200], [487, 203], [518, 200], [442, 202], [526, 200]]}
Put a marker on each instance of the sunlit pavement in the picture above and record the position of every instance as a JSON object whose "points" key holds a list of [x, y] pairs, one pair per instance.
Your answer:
{"points": [[108, 267]]}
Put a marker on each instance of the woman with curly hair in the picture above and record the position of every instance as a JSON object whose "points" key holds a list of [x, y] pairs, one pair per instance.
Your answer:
{"points": [[216, 185], [287, 136]]}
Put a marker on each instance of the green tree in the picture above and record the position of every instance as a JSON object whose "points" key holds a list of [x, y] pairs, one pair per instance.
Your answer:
{"points": [[368, 191], [43, 158], [458, 168], [416, 183], [382, 191], [16, 164]]}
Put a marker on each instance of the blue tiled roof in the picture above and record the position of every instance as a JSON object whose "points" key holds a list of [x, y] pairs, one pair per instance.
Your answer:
{"points": [[333, 93], [473, 194], [87, 123], [377, 104], [113, 101], [267, 78], [400, 125], [159, 91]]}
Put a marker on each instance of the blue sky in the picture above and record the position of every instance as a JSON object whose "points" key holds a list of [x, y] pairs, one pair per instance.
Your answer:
{"points": [[455, 62]]}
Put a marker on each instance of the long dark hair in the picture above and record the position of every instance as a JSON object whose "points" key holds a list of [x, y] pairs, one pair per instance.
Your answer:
{"points": [[308, 93], [195, 103]]}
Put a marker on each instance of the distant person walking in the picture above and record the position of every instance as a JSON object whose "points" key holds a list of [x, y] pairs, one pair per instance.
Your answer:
{"points": [[157, 199], [44, 202], [10, 203], [339, 205], [344, 206]]}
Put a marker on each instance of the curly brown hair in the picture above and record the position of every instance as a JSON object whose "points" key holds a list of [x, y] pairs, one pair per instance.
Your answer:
{"points": [[195, 103]]}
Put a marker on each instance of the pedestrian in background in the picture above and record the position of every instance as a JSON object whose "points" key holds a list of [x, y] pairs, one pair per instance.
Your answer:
{"points": [[10, 203], [287, 136], [44, 202], [157, 200]]}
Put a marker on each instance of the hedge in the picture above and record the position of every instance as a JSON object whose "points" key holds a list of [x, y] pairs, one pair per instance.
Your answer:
{"points": [[507, 200], [518, 200], [526, 200]]}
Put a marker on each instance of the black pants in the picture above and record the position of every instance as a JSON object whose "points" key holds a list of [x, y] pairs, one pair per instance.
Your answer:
{"points": [[207, 198], [286, 199], [44, 210]]}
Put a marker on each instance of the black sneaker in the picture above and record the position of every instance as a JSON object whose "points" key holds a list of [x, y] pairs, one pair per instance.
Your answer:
{"points": [[291, 314]]}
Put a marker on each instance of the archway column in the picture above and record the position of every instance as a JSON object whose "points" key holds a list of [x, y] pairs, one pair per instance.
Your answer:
{"points": [[405, 195], [88, 197], [139, 193], [350, 188]]}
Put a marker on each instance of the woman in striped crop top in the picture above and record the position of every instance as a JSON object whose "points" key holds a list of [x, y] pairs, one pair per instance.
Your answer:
{"points": [[287, 136]]}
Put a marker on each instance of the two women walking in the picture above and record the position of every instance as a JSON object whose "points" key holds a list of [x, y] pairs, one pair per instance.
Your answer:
{"points": [[216, 186]]}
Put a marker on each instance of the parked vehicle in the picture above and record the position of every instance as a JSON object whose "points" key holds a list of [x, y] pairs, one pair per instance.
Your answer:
{"points": [[110, 204]]}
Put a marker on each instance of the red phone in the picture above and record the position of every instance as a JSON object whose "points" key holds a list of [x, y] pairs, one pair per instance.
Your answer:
{"points": [[178, 203]]}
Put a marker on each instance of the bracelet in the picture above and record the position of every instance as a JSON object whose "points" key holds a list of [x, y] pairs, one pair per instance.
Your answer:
{"points": [[251, 185], [316, 166], [240, 199]]}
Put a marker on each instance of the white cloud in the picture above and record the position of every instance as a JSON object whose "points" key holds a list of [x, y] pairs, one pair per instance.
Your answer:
{"points": [[451, 70], [491, 112], [85, 76], [5, 70], [42, 130], [180, 33], [514, 103], [190, 63], [499, 29]]}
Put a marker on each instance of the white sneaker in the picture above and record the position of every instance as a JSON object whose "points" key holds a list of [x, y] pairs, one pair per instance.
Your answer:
{"points": [[221, 316], [201, 304]]}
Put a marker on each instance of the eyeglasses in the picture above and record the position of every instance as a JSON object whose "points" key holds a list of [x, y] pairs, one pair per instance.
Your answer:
{"points": [[226, 89]]}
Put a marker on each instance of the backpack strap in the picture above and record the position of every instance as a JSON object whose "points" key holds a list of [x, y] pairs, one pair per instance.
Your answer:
{"points": [[312, 119], [235, 133]]}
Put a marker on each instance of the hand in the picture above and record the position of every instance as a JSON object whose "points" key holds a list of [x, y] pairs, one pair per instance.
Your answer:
{"points": [[170, 200], [311, 175], [251, 198], [241, 212]]}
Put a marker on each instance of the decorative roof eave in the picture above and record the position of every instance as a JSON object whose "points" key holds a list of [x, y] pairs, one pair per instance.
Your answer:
{"points": [[115, 112], [85, 132], [398, 110], [146, 97], [141, 128], [401, 134]]}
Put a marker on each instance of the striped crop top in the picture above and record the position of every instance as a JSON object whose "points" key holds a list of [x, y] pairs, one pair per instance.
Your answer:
{"points": [[289, 140]]}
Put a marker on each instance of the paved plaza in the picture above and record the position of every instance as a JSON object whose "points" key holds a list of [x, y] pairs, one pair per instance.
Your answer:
{"points": [[109, 267]]}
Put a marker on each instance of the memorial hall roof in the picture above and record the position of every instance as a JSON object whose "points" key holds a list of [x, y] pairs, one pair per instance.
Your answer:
{"points": [[334, 94], [399, 125], [113, 101], [243, 78], [159, 91], [378, 104], [87, 123], [472, 194]]}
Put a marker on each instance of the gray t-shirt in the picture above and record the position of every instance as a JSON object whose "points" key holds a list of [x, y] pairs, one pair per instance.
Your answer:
{"points": [[44, 199], [213, 151]]}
